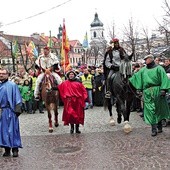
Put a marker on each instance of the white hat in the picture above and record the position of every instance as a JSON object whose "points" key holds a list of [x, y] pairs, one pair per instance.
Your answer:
{"points": [[149, 56]]}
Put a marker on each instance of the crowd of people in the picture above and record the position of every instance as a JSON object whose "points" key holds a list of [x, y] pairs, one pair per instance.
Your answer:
{"points": [[82, 88]]}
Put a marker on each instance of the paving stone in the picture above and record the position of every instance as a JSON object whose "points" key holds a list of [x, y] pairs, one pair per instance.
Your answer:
{"points": [[99, 146]]}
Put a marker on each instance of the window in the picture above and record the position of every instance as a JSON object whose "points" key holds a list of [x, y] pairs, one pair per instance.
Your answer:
{"points": [[3, 61], [94, 34]]}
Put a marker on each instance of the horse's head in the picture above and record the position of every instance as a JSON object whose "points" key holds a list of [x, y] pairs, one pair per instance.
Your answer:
{"points": [[48, 82], [48, 92], [126, 67], [48, 71]]}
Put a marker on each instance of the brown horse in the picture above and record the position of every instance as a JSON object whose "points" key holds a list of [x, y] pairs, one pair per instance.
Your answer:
{"points": [[50, 98]]}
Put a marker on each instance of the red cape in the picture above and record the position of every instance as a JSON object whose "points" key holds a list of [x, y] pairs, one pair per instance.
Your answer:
{"points": [[73, 95]]}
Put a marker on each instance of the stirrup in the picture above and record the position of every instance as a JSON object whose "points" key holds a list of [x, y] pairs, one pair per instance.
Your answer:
{"points": [[37, 98], [108, 95]]}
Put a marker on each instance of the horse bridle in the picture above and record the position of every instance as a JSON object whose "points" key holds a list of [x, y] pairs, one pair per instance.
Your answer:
{"points": [[49, 89], [137, 96]]}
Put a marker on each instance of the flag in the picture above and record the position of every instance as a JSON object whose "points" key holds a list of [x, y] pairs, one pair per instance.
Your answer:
{"points": [[15, 49], [50, 42], [31, 50], [85, 41], [65, 48]]}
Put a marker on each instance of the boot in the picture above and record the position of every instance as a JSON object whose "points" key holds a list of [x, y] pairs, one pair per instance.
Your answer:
{"points": [[77, 128], [15, 152], [72, 129], [7, 152], [154, 130], [164, 123], [108, 92], [37, 92], [159, 126]]}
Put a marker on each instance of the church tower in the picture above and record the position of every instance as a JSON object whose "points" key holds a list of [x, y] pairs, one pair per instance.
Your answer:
{"points": [[97, 29], [98, 42]]}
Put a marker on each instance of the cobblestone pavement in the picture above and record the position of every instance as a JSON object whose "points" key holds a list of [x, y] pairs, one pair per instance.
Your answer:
{"points": [[99, 146]]}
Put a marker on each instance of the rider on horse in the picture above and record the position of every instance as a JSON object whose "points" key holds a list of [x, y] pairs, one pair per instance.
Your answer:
{"points": [[112, 62], [46, 63]]}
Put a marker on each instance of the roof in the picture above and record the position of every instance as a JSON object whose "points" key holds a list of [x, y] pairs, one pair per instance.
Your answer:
{"points": [[75, 43], [22, 39]]}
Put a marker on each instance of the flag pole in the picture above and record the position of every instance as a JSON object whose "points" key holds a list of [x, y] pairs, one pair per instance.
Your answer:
{"points": [[64, 49]]}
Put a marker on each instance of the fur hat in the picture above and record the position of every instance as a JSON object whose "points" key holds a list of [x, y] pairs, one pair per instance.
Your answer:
{"points": [[46, 48], [149, 56], [114, 40], [71, 71]]}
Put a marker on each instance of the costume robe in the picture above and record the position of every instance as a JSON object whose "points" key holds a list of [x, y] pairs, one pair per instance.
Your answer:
{"points": [[9, 122], [73, 95], [151, 81]]}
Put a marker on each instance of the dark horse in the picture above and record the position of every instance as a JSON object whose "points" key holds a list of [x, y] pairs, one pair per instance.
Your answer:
{"points": [[50, 96], [122, 93]]}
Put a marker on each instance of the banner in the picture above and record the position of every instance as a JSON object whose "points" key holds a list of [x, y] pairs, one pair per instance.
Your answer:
{"points": [[85, 41], [65, 48], [50, 42], [31, 50], [15, 49]]}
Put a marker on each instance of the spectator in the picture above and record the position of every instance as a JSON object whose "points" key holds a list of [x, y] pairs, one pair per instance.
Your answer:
{"points": [[88, 81], [27, 94]]}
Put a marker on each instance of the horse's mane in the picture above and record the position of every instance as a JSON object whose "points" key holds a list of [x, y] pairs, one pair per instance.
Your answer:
{"points": [[126, 65]]}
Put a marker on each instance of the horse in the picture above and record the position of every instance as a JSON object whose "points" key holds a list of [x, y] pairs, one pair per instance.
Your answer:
{"points": [[122, 94], [50, 96]]}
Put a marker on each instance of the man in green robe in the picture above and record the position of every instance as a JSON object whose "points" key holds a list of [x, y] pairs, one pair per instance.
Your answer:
{"points": [[153, 82]]}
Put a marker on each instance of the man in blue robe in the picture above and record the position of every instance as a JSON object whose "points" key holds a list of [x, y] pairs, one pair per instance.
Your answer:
{"points": [[10, 109]]}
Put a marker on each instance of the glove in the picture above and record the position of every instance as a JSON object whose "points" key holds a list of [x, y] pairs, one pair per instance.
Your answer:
{"points": [[55, 88], [37, 67], [163, 93], [115, 68], [18, 110], [139, 93]]}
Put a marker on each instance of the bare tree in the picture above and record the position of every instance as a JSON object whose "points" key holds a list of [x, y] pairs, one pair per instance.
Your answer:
{"points": [[111, 31], [164, 26], [131, 35], [147, 39]]}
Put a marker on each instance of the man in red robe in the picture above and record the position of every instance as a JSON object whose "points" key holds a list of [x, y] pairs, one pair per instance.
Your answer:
{"points": [[73, 95]]}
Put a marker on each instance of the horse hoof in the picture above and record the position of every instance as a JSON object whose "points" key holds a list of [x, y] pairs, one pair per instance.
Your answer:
{"points": [[112, 122], [127, 128], [56, 124], [50, 130], [119, 120]]}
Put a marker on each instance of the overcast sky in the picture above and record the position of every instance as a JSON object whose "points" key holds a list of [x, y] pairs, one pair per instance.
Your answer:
{"points": [[78, 15]]}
